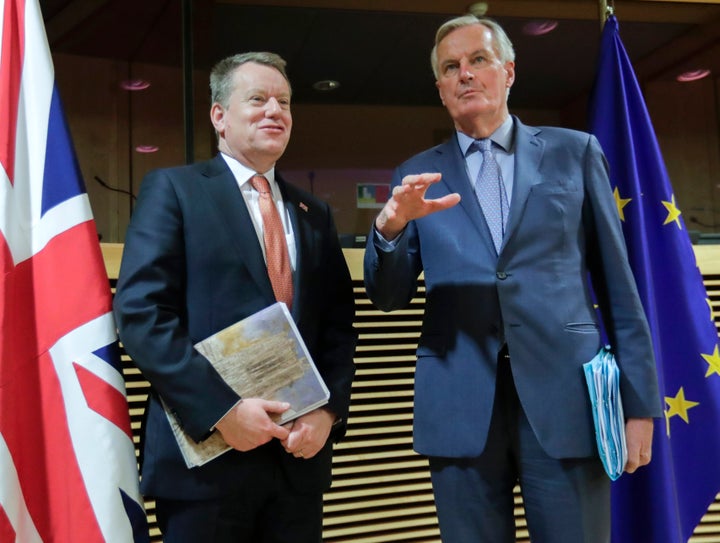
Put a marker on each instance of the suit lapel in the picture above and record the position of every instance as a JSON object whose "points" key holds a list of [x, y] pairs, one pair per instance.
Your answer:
{"points": [[452, 164], [224, 192], [528, 154]]}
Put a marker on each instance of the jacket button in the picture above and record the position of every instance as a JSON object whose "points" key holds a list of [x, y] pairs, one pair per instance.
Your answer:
{"points": [[501, 275]]}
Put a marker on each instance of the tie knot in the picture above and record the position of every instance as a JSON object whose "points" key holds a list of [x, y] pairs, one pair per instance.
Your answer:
{"points": [[260, 184], [483, 145]]}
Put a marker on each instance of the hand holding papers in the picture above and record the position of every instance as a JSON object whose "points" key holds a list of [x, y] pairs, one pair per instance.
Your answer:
{"points": [[603, 381], [262, 356]]}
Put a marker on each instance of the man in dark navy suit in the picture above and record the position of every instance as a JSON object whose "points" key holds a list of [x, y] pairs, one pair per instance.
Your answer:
{"points": [[507, 222], [194, 263]]}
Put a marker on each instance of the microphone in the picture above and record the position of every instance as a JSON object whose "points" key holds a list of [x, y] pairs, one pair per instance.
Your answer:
{"points": [[114, 189]]}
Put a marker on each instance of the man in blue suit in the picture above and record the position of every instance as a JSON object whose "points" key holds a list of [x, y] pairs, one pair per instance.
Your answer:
{"points": [[500, 396], [193, 264]]}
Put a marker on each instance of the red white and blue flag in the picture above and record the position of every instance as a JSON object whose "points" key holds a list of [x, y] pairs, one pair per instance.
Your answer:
{"points": [[68, 471]]}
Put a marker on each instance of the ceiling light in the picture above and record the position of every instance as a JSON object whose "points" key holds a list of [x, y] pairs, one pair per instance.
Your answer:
{"points": [[134, 84], [693, 75], [147, 148], [538, 28], [326, 85]]}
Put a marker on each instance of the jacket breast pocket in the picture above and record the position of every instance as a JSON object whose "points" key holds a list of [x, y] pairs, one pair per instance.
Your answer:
{"points": [[555, 186], [555, 204]]}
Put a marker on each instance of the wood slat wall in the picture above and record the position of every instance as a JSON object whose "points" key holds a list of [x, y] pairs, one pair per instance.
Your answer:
{"points": [[381, 489]]}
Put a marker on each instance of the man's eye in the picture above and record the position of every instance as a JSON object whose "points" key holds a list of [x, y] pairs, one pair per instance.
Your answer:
{"points": [[450, 68], [479, 59], [257, 100], [284, 103]]}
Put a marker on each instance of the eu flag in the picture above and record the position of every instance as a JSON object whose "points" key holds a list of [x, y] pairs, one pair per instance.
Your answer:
{"points": [[662, 502]]}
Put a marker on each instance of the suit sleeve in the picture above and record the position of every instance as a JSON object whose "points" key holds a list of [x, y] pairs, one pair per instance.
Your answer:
{"points": [[390, 274], [616, 291], [151, 313]]}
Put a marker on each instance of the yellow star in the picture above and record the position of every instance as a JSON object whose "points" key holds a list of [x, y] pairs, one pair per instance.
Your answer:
{"points": [[673, 212], [679, 406], [620, 203], [713, 361]]}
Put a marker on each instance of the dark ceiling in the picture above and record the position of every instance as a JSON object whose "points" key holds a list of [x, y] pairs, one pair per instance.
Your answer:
{"points": [[379, 50]]}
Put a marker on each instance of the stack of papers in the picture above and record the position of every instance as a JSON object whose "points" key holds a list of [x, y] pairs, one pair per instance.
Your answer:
{"points": [[603, 380]]}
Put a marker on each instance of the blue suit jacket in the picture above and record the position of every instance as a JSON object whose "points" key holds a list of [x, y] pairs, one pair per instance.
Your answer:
{"points": [[563, 228], [193, 265]]}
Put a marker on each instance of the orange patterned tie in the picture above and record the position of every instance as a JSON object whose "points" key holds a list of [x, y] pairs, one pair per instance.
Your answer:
{"points": [[276, 251]]}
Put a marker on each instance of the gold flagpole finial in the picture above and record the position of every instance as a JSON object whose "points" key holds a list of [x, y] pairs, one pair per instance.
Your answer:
{"points": [[605, 9]]}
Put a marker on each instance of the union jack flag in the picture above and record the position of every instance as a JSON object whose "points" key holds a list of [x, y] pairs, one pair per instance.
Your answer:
{"points": [[68, 471]]}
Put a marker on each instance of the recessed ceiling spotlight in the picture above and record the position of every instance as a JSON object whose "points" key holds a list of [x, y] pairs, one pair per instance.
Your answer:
{"points": [[693, 75], [134, 84], [326, 85], [147, 148], [538, 28]]}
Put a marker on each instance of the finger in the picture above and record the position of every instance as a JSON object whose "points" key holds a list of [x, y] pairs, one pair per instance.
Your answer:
{"points": [[275, 407], [293, 443], [279, 432], [421, 179], [445, 202], [645, 458], [633, 461], [289, 425], [399, 189]]}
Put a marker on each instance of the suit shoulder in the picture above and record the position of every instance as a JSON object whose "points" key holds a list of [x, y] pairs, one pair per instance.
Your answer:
{"points": [[564, 135], [182, 170], [180, 174], [425, 156], [569, 140]]}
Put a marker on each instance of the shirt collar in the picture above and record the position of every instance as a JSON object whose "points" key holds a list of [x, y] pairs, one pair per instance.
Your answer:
{"points": [[503, 137], [243, 174]]}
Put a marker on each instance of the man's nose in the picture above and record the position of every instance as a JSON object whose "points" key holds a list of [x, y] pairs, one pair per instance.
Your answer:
{"points": [[466, 73], [272, 107]]}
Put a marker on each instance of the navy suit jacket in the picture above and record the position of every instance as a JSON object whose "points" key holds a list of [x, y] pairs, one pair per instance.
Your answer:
{"points": [[193, 265], [562, 229]]}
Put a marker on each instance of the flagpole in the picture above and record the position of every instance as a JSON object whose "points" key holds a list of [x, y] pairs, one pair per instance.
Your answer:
{"points": [[605, 11]]}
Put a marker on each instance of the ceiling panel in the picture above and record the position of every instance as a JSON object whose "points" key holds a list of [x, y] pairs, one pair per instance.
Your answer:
{"points": [[379, 51]]}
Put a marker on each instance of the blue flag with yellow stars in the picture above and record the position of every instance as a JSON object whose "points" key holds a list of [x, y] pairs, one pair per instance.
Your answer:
{"points": [[664, 501]]}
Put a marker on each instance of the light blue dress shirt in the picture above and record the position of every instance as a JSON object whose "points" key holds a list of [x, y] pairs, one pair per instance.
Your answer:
{"points": [[503, 149]]}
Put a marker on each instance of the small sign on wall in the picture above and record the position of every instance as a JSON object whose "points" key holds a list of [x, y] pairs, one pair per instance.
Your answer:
{"points": [[371, 195]]}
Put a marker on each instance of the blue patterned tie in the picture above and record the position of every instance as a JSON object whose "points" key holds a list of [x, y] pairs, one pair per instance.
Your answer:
{"points": [[490, 192]]}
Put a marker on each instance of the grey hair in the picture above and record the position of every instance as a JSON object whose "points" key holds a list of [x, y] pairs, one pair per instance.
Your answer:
{"points": [[501, 43], [222, 75]]}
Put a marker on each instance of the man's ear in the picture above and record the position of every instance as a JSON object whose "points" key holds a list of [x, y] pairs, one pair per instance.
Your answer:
{"points": [[509, 74], [217, 117]]}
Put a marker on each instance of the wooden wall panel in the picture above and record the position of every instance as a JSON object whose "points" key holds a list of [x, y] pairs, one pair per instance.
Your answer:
{"points": [[381, 489], [685, 118]]}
